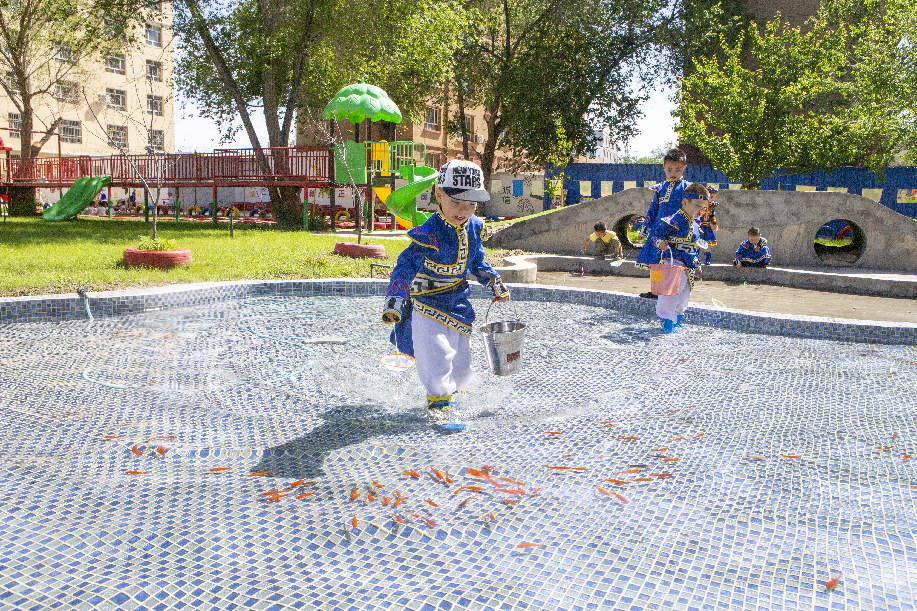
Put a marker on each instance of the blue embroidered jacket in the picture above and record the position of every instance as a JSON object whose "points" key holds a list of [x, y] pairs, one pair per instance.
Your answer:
{"points": [[749, 253], [706, 222], [431, 274], [681, 233], [666, 202]]}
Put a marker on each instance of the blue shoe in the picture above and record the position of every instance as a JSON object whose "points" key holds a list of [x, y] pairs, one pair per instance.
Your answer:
{"points": [[668, 326], [438, 413], [708, 257], [678, 322]]}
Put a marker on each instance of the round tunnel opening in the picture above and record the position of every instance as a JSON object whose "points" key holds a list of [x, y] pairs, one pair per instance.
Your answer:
{"points": [[839, 242], [628, 230]]}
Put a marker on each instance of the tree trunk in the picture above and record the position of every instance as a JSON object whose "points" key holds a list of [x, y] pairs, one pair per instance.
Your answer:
{"points": [[490, 149], [22, 201], [25, 142], [49, 133], [286, 207], [461, 108], [25, 134]]}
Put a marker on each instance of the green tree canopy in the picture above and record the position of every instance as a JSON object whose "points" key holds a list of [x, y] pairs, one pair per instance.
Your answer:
{"points": [[271, 57], [283, 55], [881, 50], [551, 71], [781, 100]]}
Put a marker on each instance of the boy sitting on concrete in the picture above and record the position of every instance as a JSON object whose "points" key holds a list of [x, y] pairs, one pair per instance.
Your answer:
{"points": [[605, 242], [753, 252]]}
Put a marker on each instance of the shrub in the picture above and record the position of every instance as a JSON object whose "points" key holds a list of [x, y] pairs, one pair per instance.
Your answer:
{"points": [[147, 243]]}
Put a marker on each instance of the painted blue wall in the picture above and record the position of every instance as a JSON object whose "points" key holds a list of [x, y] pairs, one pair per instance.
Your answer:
{"points": [[853, 179]]}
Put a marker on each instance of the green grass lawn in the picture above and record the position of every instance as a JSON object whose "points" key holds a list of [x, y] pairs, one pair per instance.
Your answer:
{"points": [[836, 243], [38, 257]]}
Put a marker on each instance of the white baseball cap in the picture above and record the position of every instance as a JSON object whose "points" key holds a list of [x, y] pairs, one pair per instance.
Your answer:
{"points": [[463, 180]]}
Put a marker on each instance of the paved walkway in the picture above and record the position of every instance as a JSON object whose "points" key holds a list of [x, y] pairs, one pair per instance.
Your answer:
{"points": [[751, 297], [757, 297]]}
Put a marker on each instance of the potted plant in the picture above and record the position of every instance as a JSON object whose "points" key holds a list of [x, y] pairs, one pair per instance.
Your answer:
{"points": [[152, 251], [160, 252]]}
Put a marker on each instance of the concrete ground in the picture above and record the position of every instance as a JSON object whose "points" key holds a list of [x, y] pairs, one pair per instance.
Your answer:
{"points": [[756, 297], [752, 297]]}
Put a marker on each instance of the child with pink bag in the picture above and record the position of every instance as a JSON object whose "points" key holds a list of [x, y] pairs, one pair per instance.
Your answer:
{"points": [[681, 233]]}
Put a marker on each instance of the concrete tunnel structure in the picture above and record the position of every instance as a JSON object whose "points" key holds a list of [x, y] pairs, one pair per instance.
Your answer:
{"points": [[883, 240]]}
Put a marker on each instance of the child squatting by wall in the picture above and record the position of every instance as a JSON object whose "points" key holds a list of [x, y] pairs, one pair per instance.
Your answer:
{"points": [[428, 293], [678, 234], [606, 242]]}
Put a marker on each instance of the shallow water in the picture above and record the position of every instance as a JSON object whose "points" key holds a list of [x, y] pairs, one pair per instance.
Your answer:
{"points": [[239, 385]]}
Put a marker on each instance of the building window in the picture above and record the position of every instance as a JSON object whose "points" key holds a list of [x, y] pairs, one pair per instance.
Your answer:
{"points": [[117, 135], [154, 70], [70, 131], [63, 54], [431, 119], [469, 126], [115, 63], [15, 120], [117, 99], [154, 35], [154, 105], [157, 140], [67, 91], [11, 83]]}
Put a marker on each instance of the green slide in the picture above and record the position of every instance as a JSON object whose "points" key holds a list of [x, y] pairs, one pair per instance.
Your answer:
{"points": [[403, 203], [77, 197]]}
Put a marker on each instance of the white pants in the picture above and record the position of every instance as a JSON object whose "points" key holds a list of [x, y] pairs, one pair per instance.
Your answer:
{"points": [[671, 307], [443, 356]]}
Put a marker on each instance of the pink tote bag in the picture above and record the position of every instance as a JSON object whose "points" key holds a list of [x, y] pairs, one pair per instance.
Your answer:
{"points": [[665, 278]]}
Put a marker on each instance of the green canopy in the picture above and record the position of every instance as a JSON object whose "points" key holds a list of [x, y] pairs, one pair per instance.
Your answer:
{"points": [[359, 102]]}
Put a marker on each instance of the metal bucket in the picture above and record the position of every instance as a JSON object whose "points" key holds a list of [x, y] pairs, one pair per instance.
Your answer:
{"points": [[503, 344]]}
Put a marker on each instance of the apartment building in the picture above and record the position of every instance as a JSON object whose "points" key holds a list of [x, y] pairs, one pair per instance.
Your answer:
{"points": [[604, 151], [130, 100], [442, 143]]}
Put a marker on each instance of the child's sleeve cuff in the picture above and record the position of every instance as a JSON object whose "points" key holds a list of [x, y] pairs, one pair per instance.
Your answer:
{"points": [[395, 307], [500, 291]]}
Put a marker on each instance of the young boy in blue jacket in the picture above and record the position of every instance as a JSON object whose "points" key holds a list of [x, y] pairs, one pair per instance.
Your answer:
{"points": [[666, 202], [428, 293], [681, 233]]}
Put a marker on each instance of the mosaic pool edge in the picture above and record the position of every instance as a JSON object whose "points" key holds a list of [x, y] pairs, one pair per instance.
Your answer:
{"points": [[115, 303]]}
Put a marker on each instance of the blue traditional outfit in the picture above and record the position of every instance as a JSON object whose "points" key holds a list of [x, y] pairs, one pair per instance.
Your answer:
{"points": [[707, 224], [431, 279], [751, 255], [681, 233], [666, 202]]}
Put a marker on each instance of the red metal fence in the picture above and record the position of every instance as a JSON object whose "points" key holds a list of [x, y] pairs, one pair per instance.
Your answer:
{"points": [[290, 166]]}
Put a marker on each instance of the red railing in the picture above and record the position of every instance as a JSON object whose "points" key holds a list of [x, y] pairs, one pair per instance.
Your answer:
{"points": [[291, 166]]}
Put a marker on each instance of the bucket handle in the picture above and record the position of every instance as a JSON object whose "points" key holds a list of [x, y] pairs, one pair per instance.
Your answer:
{"points": [[671, 258], [495, 300]]}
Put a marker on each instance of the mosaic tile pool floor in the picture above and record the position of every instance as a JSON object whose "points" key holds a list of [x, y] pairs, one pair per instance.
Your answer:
{"points": [[705, 470]]}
